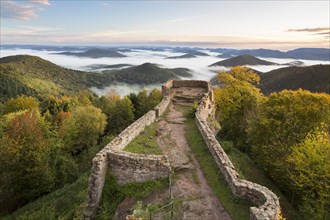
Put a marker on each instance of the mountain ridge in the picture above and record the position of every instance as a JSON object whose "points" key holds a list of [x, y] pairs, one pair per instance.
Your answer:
{"points": [[32, 75], [95, 53], [242, 60]]}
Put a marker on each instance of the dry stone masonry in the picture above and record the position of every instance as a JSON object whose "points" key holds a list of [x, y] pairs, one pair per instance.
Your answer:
{"points": [[266, 201], [126, 167], [129, 167]]}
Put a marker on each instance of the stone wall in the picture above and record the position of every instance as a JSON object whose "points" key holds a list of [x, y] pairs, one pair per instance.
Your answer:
{"points": [[266, 201], [126, 167], [190, 83], [129, 167]]}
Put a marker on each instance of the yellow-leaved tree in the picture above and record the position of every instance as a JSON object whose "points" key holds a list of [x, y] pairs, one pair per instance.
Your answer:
{"points": [[237, 103]]}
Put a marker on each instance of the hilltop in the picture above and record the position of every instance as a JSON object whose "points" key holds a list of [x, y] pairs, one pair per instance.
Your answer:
{"points": [[95, 53], [31, 75], [242, 60], [313, 78], [300, 53], [106, 66], [189, 54], [147, 73]]}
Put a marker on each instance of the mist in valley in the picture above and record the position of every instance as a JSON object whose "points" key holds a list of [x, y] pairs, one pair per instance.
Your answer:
{"points": [[199, 65]]}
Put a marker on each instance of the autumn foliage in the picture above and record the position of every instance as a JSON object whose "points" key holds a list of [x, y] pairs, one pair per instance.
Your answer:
{"points": [[286, 133]]}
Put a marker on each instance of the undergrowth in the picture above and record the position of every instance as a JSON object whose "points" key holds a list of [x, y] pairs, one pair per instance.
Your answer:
{"points": [[113, 194]]}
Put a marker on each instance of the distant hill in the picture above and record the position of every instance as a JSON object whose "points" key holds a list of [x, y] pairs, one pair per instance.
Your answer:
{"points": [[241, 61], [310, 53], [182, 72], [106, 66], [95, 53], [313, 78], [301, 53], [188, 50], [294, 63], [189, 54], [144, 74], [30, 75], [184, 56]]}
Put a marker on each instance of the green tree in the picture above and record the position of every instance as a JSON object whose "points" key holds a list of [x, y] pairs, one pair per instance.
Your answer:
{"points": [[285, 118], [155, 97], [24, 158], [82, 128], [277, 136], [121, 115], [20, 103], [237, 103], [309, 174], [144, 102], [142, 105]]}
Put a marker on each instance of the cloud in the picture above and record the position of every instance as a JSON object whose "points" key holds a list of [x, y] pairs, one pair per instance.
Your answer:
{"points": [[31, 30], [13, 10], [43, 2], [106, 5], [323, 33], [318, 29]]}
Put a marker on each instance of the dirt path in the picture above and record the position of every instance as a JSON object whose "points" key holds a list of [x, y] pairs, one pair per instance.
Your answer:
{"points": [[191, 192], [190, 187]]}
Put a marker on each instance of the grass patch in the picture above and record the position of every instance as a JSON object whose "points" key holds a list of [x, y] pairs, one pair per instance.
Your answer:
{"points": [[65, 203], [195, 177], [113, 194], [238, 209], [69, 202], [249, 171], [146, 142]]}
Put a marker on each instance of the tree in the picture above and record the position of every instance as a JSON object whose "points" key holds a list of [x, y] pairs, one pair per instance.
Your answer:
{"points": [[20, 103], [24, 158], [285, 118], [155, 97], [112, 96], [278, 136], [142, 106], [237, 103], [82, 128], [121, 116], [308, 171], [144, 102]]}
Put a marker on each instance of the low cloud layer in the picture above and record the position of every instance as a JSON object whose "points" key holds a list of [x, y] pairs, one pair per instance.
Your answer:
{"points": [[199, 66]]}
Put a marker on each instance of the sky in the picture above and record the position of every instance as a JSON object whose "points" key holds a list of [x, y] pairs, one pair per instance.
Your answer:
{"points": [[278, 24]]}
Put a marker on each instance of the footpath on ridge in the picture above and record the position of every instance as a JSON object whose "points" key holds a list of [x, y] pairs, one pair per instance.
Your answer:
{"points": [[190, 186], [195, 196]]}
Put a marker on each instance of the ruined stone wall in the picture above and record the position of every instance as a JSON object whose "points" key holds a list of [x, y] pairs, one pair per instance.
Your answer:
{"points": [[126, 167], [266, 201], [129, 167], [190, 83]]}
